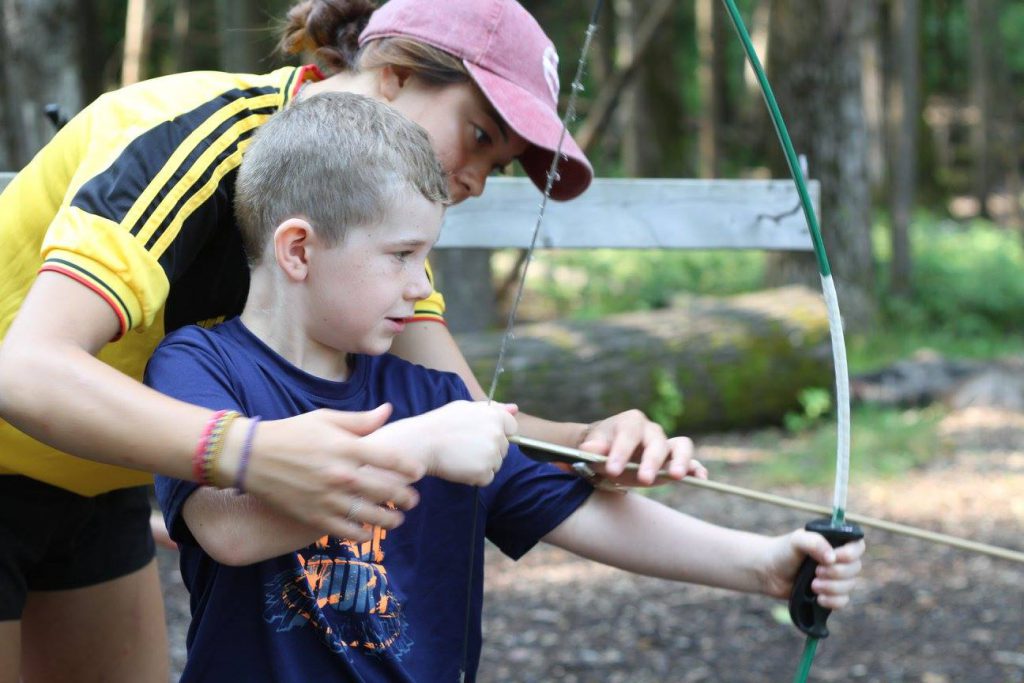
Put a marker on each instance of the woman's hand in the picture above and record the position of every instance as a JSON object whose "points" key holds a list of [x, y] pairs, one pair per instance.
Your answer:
{"points": [[835, 576], [464, 442], [631, 437], [321, 469]]}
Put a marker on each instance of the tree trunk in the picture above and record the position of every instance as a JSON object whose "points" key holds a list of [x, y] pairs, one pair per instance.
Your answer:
{"points": [[704, 364], [464, 277], [610, 93], [875, 77], [982, 28], [39, 66], [239, 22], [651, 109], [904, 114], [816, 71], [711, 85], [136, 42], [180, 34]]}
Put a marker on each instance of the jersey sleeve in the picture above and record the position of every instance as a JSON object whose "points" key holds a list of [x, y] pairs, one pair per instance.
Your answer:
{"points": [[183, 368], [151, 171], [431, 308]]}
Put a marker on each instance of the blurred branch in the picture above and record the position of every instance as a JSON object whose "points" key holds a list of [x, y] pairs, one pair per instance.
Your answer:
{"points": [[600, 112]]}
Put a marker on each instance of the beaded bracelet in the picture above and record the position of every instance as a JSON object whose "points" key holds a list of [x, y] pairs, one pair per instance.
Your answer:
{"points": [[211, 445], [243, 463], [204, 441]]}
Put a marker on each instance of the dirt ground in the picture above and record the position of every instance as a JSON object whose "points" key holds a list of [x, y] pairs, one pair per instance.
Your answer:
{"points": [[922, 613]]}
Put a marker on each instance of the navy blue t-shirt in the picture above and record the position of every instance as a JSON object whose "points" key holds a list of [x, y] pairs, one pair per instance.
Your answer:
{"points": [[390, 609]]}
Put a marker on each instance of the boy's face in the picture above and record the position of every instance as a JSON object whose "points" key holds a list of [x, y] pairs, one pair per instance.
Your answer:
{"points": [[363, 290]]}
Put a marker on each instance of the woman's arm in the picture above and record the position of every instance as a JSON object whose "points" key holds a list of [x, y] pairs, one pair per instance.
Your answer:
{"points": [[639, 535], [54, 388], [462, 442], [628, 436]]}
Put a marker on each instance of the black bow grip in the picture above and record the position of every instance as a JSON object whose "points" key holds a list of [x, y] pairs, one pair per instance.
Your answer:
{"points": [[807, 614]]}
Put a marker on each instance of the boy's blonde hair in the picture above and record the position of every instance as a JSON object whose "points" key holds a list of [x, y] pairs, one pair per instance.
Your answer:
{"points": [[335, 159]]}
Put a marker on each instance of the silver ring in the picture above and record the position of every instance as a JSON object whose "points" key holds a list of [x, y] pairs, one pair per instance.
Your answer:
{"points": [[354, 508], [596, 480], [585, 471]]}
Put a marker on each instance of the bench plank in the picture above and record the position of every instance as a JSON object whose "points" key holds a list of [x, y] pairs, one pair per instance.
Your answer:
{"points": [[636, 213], [632, 213]]}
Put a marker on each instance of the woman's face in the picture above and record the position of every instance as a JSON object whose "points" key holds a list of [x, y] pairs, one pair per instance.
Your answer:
{"points": [[468, 135]]}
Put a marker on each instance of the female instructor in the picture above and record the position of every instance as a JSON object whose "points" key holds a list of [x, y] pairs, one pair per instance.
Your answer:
{"points": [[121, 229]]}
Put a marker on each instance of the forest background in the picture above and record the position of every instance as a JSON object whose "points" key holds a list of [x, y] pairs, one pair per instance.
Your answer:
{"points": [[908, 113]]}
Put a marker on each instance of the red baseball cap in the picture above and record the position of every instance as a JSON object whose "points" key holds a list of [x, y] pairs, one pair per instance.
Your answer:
{"points": [[512, 61]]}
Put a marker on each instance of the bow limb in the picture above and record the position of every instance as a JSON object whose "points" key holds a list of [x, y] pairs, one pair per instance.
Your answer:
{"points": [[807, 615]]}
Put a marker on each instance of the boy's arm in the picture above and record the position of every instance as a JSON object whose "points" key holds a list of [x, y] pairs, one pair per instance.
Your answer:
{"points": [[239, 530], [627, 436], [461, 441], [639, 535]]}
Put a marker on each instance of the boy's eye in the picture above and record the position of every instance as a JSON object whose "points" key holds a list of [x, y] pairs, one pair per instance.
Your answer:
{"points": [[403, 255]]}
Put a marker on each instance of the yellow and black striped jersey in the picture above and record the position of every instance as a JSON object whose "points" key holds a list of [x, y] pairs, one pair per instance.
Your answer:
{"points": [[133, 199]]}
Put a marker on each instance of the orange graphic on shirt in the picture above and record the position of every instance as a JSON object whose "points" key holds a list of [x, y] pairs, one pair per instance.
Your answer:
{"points": [[341, 589]]}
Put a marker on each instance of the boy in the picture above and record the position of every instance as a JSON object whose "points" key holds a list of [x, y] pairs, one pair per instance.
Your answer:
{"points": [[338, 213]]}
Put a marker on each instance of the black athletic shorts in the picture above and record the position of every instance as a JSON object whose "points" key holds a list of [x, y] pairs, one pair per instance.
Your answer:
{"points": [[52, 539]]}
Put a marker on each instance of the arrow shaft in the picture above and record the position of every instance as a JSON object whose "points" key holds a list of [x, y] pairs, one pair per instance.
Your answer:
{"points": [[576, 455]]}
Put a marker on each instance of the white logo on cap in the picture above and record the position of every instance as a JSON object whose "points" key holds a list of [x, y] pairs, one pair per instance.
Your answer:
{"points": [[550, 60]]}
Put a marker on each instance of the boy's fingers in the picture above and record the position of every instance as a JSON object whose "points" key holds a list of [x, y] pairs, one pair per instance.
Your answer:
{"points": [[814, 545], [842, 569], [851, 551], [833, 587], [833, 602]]}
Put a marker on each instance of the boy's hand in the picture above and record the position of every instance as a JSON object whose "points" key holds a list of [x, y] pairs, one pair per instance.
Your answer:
{"points": [[462, 442], [836, 574], [631, 436]]}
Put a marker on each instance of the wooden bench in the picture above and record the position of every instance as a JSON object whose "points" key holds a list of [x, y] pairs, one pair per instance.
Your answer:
{"points": [[700, 350], [631, 214]]}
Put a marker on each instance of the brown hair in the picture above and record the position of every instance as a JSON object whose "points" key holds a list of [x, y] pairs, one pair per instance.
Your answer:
{"points": [[336, 159], [330, 30]]}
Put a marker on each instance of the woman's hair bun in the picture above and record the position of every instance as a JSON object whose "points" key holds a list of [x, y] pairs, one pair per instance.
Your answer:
{"points": [[328, 28]]}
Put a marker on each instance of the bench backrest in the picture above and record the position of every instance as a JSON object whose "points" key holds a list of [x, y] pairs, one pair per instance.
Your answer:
{"points": [[635, 213]]}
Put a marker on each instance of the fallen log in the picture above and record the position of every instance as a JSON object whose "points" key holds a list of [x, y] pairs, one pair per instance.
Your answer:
{"points": [[703, 364]]}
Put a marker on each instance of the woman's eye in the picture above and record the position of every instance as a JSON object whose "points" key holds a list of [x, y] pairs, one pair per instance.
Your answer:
{"points": [[481, 135]]}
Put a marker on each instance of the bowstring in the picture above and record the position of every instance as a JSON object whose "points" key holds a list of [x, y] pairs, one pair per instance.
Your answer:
{"points": [[508, 335]]}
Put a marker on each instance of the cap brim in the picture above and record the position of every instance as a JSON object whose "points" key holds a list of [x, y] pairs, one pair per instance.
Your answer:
{"points": [[540, 126]]}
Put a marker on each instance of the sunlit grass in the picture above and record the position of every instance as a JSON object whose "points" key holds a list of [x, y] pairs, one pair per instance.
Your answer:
{"points": [[884, 443]]}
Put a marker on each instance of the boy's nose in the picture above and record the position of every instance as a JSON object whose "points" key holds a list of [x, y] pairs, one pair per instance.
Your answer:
{"points": [[419, 287]]}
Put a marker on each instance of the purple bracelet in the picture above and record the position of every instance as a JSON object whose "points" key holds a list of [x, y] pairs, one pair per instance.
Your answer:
{"points": [[243, 463]]}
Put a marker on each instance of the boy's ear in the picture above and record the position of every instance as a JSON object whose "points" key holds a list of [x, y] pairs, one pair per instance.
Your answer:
{"points": [[391, 80], [291, 247]]}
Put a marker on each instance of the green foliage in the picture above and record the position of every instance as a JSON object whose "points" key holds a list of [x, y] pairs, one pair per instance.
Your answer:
{"points": [[815, 403], [884, 443], [590, 284], [667, 405], [1011, 26], [966, 298]]}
